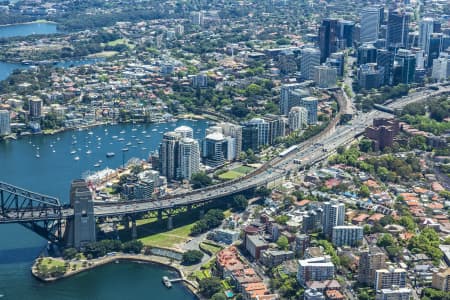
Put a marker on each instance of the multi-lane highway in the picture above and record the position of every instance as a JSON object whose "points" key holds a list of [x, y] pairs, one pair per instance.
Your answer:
{"points": [[309, 153]]}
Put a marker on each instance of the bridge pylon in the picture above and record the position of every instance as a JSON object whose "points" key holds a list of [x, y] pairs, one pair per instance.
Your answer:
{"points": [[81, 229]]}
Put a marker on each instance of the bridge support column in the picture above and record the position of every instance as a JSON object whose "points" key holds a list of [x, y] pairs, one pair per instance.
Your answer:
{"points": [[159, 215], [169, 222], [202, 212], [133, 229]]}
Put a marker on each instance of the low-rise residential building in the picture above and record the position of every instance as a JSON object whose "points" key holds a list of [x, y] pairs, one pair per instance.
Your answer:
{"points": [[347, 235], [394, 293], [441, 280], [271, 258], [386, 278], [224, 236], [316, 269], [255, 244]]}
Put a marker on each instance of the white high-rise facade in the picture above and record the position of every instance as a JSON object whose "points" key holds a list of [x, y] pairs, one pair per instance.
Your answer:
{"points": [[185, 131], [425, 30], [298, 118], [189, 157], [310, 59], [333, 215], [370, 24]]}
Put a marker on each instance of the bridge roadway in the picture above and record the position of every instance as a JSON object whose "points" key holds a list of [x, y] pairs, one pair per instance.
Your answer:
{"points": [[310, 152]]}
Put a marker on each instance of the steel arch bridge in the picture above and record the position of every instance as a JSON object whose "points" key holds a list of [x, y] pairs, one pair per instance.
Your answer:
{"points": [[37, 212]]}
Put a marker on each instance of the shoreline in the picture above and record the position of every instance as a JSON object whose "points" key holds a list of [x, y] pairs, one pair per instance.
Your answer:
{"points": [[84, 127], [135, 258], [30, 22]]}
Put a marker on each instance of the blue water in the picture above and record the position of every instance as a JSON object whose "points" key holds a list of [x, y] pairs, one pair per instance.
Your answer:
{"points": [[27, 29], [35, 28], [51, 174]]}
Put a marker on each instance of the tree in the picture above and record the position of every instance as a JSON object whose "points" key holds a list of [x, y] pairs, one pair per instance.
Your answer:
{"points": [[263, 192], [219, 296], [134, 246], [364, 191], [192, 257], [283, 242], [70, 253], [200, 180], [386, 240], [408, 223], [240, 202], [209, 286], [365, 145]]}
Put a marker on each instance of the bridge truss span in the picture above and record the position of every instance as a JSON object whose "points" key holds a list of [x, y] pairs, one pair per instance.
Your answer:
{"points": [[38, 212]]}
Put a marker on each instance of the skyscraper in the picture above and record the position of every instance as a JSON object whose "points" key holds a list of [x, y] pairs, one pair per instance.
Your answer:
{"points": [[426, 28], [189, 157], [328, 38], [285, 103], [404, 67], [310, 58], [277, 127], [398, 28], [168, 155], [185, 131], [215, 147], [250, 137], [370, 23], [435, 46], [234, 131], [5, 127], [346, 33], [367, 53], [262, 131], [333, 215], [385, 60], [325, 76]]}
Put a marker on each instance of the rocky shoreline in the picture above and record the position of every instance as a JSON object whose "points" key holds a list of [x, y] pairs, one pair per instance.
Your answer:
{"points": [[139, 258]]}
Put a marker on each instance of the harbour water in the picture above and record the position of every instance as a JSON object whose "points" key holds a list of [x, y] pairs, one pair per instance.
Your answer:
{"points": [[25, 29], [34, 28], [51, 174]]}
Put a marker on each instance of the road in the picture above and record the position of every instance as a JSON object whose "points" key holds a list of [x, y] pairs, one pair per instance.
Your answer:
{"points": [[310, 152]]}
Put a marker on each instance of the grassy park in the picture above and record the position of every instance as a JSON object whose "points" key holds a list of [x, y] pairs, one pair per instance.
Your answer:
{"points": [[235, 173]]}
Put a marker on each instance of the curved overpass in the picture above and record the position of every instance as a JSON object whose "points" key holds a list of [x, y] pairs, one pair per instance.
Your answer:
{"points": [[310, 152]]}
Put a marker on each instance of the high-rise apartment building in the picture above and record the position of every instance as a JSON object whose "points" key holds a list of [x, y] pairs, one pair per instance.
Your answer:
{"points": [[310, 58], [189, 157], [370, 260], [185, 131], [35, 108], [298, 118], [168, 155], [333, 215], [5, 125], [347, 235]]}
